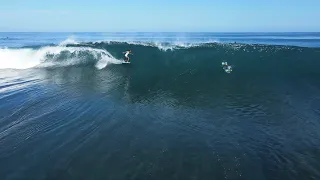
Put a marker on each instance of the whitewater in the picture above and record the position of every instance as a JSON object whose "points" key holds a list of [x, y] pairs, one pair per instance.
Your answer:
{"points": [[24, 58]]}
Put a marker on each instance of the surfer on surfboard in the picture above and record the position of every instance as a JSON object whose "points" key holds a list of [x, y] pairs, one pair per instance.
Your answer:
{"points": [[126, 54]]}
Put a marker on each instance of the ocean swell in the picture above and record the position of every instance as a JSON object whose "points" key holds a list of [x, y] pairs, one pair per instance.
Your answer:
{"points": [[171, 58]]}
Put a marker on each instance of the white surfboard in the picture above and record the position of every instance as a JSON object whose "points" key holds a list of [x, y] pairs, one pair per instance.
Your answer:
{"points": [[126, 62], [228, 69]]}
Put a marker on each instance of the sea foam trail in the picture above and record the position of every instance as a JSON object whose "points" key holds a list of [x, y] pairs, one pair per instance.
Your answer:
{"points": [[49, 56]]}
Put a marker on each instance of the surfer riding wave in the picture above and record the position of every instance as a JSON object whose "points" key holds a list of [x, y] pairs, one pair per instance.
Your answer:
{"points": [[127, 55]]}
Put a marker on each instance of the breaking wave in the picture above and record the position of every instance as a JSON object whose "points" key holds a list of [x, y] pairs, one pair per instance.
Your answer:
{"points": [[54, 56], [180, 58]]}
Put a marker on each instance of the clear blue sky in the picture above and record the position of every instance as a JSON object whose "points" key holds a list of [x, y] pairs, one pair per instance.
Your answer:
{"points": [[160, 15]]}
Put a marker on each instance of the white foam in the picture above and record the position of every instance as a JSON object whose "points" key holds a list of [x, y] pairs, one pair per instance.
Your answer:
{"points": [[19, 58], [30, 58], [70, 40], [158, 44]]}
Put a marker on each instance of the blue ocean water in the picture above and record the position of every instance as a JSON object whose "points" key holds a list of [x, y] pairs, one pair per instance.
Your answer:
{"points": [[305, 39], [69, 108]]}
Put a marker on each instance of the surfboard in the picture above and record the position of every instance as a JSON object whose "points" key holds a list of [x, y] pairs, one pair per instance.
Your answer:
{"points": [[228, 69], [125, 62]]}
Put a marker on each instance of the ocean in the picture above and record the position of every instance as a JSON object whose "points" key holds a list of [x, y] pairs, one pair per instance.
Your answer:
{"points": [[71, 110]]}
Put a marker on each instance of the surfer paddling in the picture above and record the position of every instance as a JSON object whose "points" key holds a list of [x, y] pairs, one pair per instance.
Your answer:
{"points": [[126, 54], [226, 67]]}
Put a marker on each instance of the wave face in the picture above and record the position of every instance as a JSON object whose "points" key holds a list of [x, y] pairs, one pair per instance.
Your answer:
{"points": [[174, 68], [208, 56], [174, 62], [192, 68], [196, 70]]}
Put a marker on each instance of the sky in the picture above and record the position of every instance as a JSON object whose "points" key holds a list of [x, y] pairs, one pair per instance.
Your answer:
{"points": [[160, 16]]}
